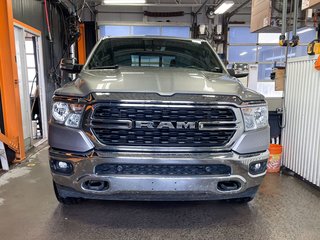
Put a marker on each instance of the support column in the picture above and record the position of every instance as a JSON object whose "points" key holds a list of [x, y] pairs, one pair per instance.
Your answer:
{"points": [[82, 45], [9, 88]]}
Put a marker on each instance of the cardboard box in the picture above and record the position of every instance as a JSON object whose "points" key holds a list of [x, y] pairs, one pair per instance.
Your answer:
{"points": [[260, 14], [310, 4], [279, 86]]}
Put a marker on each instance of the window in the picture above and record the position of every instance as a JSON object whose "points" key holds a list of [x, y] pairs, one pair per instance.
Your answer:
{"points": [[152, 61], [176, 32], [31, 66], [149, 52], [306, 35], [145, 30], [298, 51], [242, 54], [238, 35], [115, 31], [271, 54], [264, 71], [172, 31], [263, 49]]}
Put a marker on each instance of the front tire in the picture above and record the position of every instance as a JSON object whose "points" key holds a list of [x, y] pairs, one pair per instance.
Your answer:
{"points": [[64, 200]]}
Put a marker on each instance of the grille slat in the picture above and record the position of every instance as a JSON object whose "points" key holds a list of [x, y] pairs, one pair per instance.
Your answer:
{"points": [[154, 136], [153, 169], [221, 118], [163, 114]]}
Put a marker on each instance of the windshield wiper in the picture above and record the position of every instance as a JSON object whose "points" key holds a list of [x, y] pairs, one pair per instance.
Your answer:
{"points": [[106, 67]]}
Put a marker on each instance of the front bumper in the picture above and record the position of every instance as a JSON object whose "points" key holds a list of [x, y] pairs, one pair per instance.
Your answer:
{"points": [[157, 187]]}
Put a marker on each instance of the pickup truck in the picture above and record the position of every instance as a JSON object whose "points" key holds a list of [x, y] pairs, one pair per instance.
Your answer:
{"points": [[156, 118]]}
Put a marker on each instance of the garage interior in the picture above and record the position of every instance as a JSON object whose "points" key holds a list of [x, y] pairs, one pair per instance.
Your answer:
{"points": [[273, 44]]}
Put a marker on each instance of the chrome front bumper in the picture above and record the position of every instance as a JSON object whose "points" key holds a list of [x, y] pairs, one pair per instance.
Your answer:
{"points": [[157, 187]]}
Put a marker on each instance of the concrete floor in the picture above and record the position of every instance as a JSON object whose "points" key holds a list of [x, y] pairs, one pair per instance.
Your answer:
{"points": [[285, 208]]}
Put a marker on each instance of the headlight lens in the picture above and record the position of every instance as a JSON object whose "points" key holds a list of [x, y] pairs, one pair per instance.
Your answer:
{"points": [[255, 117], [60, 111], [67, 114]]}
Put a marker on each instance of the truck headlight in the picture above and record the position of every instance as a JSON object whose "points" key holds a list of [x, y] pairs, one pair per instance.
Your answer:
{"points": [[60, 111], [67, 114], [255, 117]]}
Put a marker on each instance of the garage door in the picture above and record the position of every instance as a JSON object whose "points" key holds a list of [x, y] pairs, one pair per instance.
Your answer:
{"points": [[171, 31]]}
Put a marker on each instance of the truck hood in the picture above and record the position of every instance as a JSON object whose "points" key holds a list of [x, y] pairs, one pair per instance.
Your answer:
{"points": [[164, 81]]}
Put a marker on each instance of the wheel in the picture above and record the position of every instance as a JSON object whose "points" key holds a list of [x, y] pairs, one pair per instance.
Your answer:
{"points": [[65, 200], [240, 200]]}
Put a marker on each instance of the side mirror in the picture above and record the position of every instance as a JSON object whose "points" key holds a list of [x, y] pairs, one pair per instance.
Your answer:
{"points": [[70, 65], [233, 73], [239, 70]]}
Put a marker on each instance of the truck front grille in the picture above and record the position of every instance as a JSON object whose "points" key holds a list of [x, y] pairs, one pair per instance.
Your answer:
{"points": [[116, 125], [151, 169]]}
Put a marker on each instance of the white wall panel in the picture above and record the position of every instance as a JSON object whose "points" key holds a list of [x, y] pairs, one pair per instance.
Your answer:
{"points": [[301, 136]]}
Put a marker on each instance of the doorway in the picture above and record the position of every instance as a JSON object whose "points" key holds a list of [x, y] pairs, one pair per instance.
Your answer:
{"points": [[31, 85]]}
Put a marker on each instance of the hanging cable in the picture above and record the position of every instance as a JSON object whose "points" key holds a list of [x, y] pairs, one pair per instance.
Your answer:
{"points": [[47, 20], [79, 13]]}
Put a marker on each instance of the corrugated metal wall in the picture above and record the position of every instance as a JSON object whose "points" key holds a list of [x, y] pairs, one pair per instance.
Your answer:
{"points": [[301, 136]]}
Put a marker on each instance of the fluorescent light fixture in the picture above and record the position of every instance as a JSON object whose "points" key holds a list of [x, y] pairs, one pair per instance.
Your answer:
{"points": [[123, 2], [243, 53], [223, 7], [305, 30]]}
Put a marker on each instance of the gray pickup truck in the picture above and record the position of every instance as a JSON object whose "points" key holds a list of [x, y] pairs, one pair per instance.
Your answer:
{"points": [[154, 118]]}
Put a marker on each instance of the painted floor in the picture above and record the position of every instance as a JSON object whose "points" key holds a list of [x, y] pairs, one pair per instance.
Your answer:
{"points": [[285, 208]]}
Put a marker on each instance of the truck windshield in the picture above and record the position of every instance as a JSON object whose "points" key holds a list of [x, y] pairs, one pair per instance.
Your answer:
{"points": [[160, 53]]}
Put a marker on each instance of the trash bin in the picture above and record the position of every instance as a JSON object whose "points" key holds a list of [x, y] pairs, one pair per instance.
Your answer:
{"points": [[274, 161]]}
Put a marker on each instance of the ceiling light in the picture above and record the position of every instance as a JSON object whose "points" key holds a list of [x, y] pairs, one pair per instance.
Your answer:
{"points": [[223, 7], [123, 2]]}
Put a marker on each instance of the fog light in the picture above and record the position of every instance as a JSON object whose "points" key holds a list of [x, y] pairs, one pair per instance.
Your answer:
{"points": [[258, 167], [61, 167]]}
